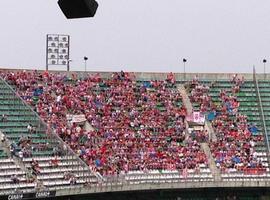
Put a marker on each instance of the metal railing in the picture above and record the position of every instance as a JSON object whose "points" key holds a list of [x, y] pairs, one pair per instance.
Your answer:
{"points": [[154, 184], [261, 113]]}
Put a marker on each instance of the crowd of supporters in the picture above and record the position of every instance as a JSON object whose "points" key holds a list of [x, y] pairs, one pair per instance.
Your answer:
{"points": [[236, 142], [137, 125], [200, 95]]}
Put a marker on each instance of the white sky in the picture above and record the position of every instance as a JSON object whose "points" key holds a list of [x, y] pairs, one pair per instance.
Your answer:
{"points": [[142, 35]]}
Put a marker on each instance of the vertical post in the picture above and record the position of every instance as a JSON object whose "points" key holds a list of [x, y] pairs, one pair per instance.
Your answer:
{"points": [[68, 60], [185, 70], [264, 70], [85, 62], [184, 62], [68, 65], [47, 52]]}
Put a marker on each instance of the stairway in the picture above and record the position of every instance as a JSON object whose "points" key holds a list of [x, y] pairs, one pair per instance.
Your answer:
{"points": [[187, 104], [212, 164], [210, 130], [185, 98], [88, 126], [204, 146]]}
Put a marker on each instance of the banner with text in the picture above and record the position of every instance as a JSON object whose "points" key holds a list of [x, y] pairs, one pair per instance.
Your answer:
{"points": [[197, 118]]}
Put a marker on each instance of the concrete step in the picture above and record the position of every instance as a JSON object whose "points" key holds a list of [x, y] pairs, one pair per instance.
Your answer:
{"points": [[211, 161]]}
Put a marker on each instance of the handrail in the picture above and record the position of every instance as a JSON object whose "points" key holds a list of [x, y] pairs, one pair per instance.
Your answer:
{"points": [[261, 111], [141, 182], [97, 174]]}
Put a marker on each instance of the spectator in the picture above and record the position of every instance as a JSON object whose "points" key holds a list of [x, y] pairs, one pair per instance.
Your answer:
{"points": [[2, 137], [3, 118], [30, 178], [30, 128], [54, 161], [14, 178], [35, 167]]}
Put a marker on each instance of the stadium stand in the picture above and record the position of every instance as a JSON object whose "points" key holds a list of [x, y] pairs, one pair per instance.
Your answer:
{"points": [[142, 124], [40, 152], [131, 129], [240, 147]]}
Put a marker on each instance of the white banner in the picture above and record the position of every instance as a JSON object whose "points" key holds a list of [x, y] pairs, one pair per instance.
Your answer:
{"points": [[76, 118]]}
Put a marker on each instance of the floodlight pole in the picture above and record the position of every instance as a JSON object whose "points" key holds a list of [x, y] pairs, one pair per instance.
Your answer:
{"points": [[185, 70], [184, 62], [85, 62], [264, 68], [47, 67], [68, 60]]}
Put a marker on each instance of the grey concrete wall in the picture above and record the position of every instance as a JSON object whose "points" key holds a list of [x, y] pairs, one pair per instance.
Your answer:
{"points": [[244, 183], [162, 76]]}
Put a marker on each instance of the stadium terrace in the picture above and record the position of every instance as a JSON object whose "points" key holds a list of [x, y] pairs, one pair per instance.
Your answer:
{"points": [[80, 133]]}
